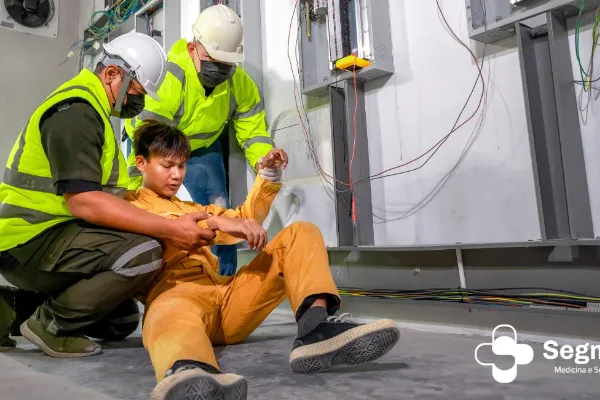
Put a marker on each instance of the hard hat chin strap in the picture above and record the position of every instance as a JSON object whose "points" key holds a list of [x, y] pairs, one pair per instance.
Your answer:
{"points": [[129, 75], [122, 93]]}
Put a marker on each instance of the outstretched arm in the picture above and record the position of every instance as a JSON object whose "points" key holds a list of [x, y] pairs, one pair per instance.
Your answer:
{"points": [[235, 225]]}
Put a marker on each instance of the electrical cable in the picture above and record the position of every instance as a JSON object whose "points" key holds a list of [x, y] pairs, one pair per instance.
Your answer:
{"points": [[587, 84], [347, 205], [455, 127], [115, 16], [433, 149], [550, 297], [474, 134], [393, 168]]}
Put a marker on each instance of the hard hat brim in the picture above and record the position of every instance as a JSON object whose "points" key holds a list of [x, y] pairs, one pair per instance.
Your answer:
{"points": [[224, 56]]}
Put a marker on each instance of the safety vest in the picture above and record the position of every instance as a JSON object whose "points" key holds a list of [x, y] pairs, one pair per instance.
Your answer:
{"points": [[184, 104], [28, 203]]}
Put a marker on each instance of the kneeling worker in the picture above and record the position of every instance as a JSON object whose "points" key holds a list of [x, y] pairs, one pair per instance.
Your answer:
{"points": [[66, 230], [189, 306]]}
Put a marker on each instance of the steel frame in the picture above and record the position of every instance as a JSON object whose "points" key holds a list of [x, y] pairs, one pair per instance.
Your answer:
{"points": [[343, 102], [554, 131], [502, 26]]}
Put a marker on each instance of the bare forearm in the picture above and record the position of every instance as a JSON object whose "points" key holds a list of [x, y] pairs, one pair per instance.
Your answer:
{"points": [[104, 209]]}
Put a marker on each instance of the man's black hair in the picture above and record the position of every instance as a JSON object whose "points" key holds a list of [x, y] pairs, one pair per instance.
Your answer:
{"points": [[157, 139]]}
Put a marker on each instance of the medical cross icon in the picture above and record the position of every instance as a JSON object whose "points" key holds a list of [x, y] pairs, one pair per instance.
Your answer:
{"points": [[507, 346]]}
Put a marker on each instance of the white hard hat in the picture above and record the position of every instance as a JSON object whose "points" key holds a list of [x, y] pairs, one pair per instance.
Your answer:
{"points": [[220, 31], [141, 56]]}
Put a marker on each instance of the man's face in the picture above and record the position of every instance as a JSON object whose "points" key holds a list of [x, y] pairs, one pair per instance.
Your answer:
{"points": [[164, 176], [198, 54], [112, 78]]}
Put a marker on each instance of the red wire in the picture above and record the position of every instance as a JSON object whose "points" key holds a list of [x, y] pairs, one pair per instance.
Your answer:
{"points": [[453, 130], [354, 144], [307, 136]]}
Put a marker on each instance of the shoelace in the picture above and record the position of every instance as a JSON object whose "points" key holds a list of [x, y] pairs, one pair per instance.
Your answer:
{"points": [[345, 317]]}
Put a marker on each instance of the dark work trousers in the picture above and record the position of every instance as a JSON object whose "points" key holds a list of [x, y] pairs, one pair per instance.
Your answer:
{"points": [[206, 181], [87, 272]]}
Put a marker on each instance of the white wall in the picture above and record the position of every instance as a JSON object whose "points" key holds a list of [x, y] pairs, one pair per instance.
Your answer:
{"points": [[490, 197], [30, 71]]}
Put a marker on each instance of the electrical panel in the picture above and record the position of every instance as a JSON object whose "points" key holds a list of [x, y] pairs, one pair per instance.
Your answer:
{"points": [[150, 20], [491, 20], [340, 37]]}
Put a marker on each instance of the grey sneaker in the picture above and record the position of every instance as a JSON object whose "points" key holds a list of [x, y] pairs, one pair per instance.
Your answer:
{"points": [[191, 380], [58, 346], [339, 340]]}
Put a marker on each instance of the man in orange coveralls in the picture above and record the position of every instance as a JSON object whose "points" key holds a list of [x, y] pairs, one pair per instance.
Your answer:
{"points": [[189, 306]]}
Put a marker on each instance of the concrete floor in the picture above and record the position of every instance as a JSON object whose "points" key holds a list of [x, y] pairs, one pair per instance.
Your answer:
{"points": [[424, 365]]}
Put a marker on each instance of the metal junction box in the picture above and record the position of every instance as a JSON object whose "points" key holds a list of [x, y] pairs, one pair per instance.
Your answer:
{"points": [[335, 29]]}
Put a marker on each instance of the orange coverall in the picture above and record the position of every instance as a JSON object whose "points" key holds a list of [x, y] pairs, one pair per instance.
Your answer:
{"points": [[189, 306]]}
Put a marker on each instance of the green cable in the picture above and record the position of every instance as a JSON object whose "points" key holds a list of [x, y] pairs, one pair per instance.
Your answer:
{"points": [[577, 30]]}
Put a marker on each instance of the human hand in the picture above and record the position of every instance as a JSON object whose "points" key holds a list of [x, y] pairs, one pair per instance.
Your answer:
{"points": [[271, 166], [276, 158], [187, 235], [241, 228]]}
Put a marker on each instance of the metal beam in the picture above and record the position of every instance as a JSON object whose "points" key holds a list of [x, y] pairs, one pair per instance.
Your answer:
{"points": [[351, 147], [250, 12], [571, 145], [554, 131], [502, 26], [343, 198], [172, 23], [484, 268], [544, 138]]}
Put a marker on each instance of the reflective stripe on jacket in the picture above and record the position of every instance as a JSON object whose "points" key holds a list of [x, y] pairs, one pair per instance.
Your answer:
{"points": [[28, 201], [184, 104]]}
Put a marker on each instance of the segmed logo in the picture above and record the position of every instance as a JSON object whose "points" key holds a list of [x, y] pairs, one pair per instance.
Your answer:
{"points": [[507, 346]]}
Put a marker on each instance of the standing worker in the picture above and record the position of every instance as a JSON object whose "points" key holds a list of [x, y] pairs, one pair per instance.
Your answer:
{"points": [[66, 229], [202, 91]]}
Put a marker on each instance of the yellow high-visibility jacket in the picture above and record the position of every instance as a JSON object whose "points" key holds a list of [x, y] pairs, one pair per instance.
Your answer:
{"points": [[28, 201], [183, 103]]}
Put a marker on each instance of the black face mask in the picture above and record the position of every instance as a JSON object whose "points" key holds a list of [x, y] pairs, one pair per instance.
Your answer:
{"points": [[212, 74], [134, 107]]}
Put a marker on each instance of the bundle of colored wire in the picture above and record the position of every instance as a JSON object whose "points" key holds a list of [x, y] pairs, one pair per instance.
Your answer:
{"points": [[115, 16], [586, 75], [489, 297]]}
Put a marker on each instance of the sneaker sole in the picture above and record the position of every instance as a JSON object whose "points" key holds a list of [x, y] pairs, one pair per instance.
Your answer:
{"points": [[356, 346], [35, 339], [197, 384]]}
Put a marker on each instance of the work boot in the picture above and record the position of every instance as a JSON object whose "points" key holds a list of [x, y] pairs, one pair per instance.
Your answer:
{"points": [[193, 380], [7, 317], [57, 346], [339, 340]]}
